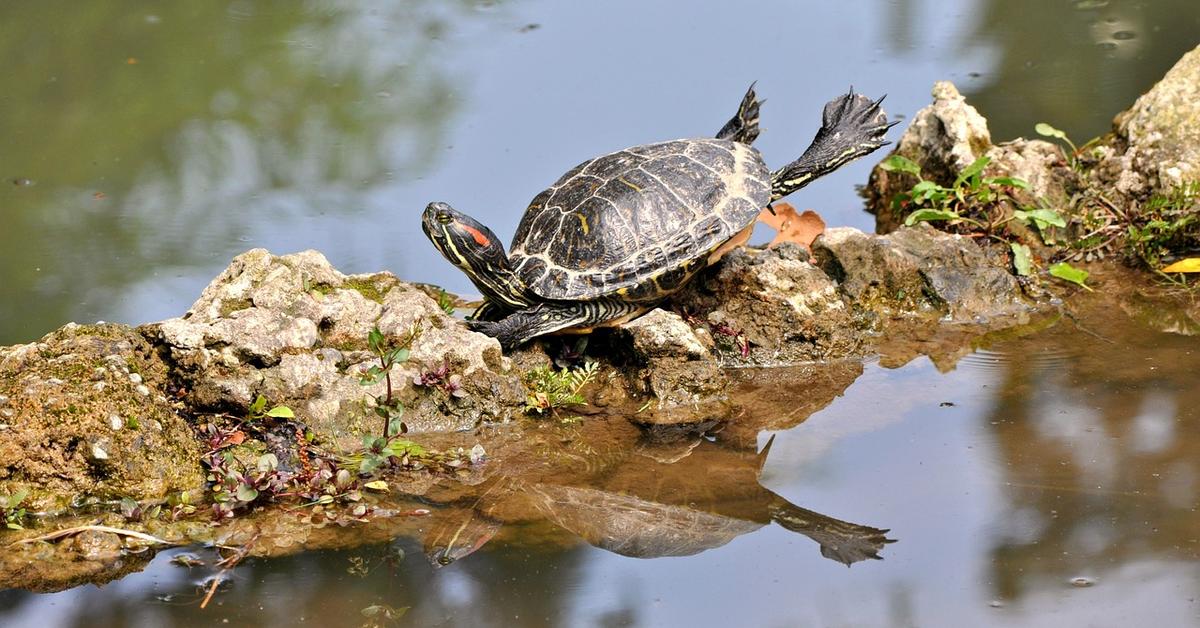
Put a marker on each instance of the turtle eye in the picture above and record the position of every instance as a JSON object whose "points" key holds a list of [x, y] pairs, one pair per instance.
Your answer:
{"points": [[444, 218]]}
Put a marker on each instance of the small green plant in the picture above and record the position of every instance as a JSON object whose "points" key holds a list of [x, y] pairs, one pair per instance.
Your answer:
{"points": [[11, 510], [1069, 273], [390, 353], [931, 202], [378, 452], [551, 390], [983, 197], [382, 450], [446, 302], [1045, 130], [259, 411], [1166, 223]]}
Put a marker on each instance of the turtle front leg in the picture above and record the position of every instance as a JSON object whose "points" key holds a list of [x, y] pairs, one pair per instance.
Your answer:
{"points": [[519, 327], [488, 311]]}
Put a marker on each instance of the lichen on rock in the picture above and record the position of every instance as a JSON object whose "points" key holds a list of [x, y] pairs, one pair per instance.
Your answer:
{"points": [[300, 340]]}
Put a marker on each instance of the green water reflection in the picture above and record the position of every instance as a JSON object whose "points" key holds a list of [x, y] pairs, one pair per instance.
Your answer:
{"points": [[138, 140]]}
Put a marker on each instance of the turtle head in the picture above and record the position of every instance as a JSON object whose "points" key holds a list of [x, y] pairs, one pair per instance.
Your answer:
{"points": [[475, 250]]}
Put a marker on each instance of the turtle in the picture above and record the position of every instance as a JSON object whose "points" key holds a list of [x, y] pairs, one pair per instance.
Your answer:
{"points": [[619, 233]]}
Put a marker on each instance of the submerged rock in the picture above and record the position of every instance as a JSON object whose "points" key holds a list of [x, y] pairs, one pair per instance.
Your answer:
{"points": [[87, 413], [293, 329]]}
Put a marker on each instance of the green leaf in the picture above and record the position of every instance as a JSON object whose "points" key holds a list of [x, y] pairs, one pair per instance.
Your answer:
{"points": [[259, 403], [267, 462], [900, 163], [972, 170], [369, 464], [1020, 184], [928, 191], [400, 355], [929, 215], [281, 412], [1022, 258], [1067, 272], [246, 493], [1045, 217], [1046, 130], [375, 339]]}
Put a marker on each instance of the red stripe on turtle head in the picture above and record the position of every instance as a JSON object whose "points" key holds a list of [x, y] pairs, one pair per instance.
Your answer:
{"points": [[480, 238]]}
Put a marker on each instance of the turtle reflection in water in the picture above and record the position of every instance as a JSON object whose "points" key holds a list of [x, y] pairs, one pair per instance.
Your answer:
{"points": [[645, 508]]}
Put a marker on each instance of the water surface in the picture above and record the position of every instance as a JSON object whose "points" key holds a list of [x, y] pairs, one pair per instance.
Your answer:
{"points": [[1047, 480]]}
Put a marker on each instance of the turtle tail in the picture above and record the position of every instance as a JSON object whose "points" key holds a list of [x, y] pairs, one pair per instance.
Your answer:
{"points": [[743, 126], [852, 126]]}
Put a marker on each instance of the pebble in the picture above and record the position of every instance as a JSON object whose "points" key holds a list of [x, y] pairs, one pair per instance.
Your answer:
{"points": [[135, 378], [116, 421], [143, 390]]}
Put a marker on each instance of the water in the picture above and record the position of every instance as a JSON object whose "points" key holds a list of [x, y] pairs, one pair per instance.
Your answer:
{"points": [[144, 148]]}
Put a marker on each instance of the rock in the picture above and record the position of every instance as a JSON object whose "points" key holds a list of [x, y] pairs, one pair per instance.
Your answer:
{"points": [[660, 333], [293, 329], [68, 439], [917, 269], [1162, 129], [944, 138], [675, 365], [1041, 165], [771, 307]]}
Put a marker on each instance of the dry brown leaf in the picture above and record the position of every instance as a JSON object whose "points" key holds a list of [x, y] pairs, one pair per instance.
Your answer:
{"points": [[802, 229]]}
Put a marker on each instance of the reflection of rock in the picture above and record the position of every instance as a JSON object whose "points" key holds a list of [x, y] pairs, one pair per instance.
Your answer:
{"points": [[294, 329], [86, 412], [88, 558], [1162, 131]]}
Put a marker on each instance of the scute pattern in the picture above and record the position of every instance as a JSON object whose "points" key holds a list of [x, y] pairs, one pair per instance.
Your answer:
{"points": [[640, 220]]}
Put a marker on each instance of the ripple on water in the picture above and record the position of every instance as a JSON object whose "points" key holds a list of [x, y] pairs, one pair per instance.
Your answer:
{"points": [[1043, 360]]}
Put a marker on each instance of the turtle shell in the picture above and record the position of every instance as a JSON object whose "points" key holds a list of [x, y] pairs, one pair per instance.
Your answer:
{"points": [[638, 222]]}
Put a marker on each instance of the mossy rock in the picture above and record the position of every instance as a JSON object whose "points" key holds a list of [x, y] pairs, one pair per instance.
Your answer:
{"points": [[85, 412]]}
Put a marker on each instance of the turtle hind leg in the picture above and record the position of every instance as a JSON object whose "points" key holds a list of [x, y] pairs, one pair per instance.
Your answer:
{"points": [[743, 126], [522, 326], [852, 126]]}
